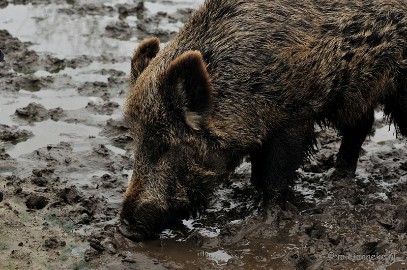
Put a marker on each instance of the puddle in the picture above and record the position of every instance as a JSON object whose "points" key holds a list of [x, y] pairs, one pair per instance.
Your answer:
{"points": [[70, 35], [43, 136], [73, 35]]}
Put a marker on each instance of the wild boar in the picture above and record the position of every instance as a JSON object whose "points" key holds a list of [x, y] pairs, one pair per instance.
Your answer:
{"points": [[252, 78]]}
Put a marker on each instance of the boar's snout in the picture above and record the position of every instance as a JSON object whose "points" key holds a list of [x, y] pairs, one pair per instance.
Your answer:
{"points": [[126, 230], [151, 205], [147, 220], [141, 222]]}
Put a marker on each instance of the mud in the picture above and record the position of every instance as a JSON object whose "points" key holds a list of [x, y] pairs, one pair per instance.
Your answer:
{"points": [[65, 160], [13, 134]]}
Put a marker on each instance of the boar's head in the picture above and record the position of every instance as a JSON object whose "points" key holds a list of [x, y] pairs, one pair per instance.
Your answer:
{"points": [[177, 159]]}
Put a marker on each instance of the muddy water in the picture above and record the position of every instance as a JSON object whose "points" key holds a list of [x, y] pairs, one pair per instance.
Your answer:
{"points": [[63, 144]]}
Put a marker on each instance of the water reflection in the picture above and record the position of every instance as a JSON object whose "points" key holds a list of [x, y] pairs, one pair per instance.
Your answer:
{"points": [[70, 34]]}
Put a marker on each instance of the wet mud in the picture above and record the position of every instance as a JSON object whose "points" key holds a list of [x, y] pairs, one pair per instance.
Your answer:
{"points": [[65, 161]]}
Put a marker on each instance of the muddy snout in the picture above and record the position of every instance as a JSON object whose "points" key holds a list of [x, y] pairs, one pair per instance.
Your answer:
{"points": [[127, 231], [142, 222]]}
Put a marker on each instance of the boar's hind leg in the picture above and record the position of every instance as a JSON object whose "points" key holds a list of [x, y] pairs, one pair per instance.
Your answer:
{"points": [[352, 140], [396, 108], [274, 165]]}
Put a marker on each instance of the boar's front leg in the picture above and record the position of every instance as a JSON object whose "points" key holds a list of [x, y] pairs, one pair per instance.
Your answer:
{"points": [[352, 140], [274, 165]]}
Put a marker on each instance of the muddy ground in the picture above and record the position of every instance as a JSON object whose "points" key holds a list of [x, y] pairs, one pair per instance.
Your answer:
{"points": [[65, 162]]}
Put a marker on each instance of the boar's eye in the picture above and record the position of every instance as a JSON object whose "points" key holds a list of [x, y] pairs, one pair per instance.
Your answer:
{"points": [[155, 147]]}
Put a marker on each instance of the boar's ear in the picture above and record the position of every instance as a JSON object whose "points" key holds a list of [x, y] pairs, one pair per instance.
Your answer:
{"points": [[188, 77], [142, 56]]}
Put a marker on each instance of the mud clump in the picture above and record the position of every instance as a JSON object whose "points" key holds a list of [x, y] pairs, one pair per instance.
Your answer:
{"points": [[102, 150], [36, 202], [123, 140], [108, 181], [403, 166], [31, 82], [25, 61], [4, 155], [400, 217], [39, 181], [41, 172], [115, 127], [120, 30], [131, 10], [118, 132], [53, 243], [56, 114], [70, 195], [395, 220], [117, 80], [33, 112], [96, 89], [88, 9], [373, 248], [16, 82], [316, 230], [123, 10], [104, 108], [144, 27], [96, 244], [301, 261], [23, 58], [13, 134]]}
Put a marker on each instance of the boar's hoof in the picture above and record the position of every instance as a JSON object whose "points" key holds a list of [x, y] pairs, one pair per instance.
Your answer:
{"points": [[339, 174]]}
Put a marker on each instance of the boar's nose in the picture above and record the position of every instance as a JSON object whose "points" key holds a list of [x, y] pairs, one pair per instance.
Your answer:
{"points": [[126, 230]]}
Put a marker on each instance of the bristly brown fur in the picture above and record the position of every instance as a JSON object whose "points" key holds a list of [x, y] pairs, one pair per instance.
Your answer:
{"points": [[253, 78]]}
